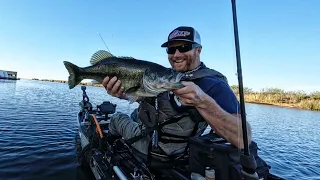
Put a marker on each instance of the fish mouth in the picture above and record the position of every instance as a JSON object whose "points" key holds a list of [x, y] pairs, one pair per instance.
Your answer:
{"points": [[163, 83]]}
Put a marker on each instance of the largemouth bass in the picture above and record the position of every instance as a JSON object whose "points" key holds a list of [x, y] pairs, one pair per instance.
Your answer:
{"points": [[139, 78]]}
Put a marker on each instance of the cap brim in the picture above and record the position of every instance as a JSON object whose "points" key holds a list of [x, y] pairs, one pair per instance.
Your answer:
{"points": [[166, 43]]}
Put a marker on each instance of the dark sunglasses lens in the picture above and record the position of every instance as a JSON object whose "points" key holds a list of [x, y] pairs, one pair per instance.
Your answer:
{"points": [[181, 49], [185, 48], [171, 50]]}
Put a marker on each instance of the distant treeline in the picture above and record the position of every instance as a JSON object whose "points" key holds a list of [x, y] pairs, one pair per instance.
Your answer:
{"points": [[276, 96], [271, 96]]}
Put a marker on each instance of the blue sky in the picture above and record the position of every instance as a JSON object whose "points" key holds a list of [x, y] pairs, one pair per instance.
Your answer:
{"points": [[279, 40]]}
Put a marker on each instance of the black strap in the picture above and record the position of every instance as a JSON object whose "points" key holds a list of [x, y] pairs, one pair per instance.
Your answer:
{"points": [[194, 114], [163, 137], [173, 119], [165, 141], [172, 135], [145, 132]]}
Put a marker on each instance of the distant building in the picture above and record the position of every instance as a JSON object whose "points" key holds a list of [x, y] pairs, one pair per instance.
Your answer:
{"points": [[94, 82], [3, 74], [8, 75]]}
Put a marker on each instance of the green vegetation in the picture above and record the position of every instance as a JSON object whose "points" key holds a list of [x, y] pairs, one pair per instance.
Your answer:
{"points": [[279, 97]]}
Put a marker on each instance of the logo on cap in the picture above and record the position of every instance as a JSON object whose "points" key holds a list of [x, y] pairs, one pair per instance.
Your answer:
{"points": [[178, 33]]}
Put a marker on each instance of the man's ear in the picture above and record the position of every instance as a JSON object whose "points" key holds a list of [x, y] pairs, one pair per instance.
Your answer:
{"points": [[199, 50]]}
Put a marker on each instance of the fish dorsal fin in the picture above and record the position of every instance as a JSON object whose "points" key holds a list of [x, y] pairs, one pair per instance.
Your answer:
{"points": [[125, 57], [99, 56]]}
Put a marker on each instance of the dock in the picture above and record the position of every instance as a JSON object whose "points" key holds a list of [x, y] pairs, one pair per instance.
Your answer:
{"points": [[10, 75]]}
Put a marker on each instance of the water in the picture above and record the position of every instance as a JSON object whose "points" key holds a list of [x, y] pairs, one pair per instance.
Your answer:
{"points": [[289, 139], [38, 126]]}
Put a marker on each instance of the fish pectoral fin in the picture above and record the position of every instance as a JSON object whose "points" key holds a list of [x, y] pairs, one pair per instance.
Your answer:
{"points": [[132, 98], [139, 91], [99, 56], [142, 93], [132, 94], [132, 90], [136, 93]]}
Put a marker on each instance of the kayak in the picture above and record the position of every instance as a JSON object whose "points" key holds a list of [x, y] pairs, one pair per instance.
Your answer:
{"points": [[111, 157]]}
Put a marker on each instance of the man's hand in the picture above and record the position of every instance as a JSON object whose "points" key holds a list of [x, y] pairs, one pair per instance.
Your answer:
{"points": [[190, 95], [113, 87]]}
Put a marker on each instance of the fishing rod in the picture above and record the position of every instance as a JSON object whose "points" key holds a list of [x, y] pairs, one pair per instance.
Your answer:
{"points": [[247, 161]]}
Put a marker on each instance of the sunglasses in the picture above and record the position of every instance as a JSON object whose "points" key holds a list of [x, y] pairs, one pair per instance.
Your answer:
{"points": [[182, 48]]}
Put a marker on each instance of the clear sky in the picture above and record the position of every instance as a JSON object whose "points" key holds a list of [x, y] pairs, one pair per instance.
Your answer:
{"points": [[279, 40]]}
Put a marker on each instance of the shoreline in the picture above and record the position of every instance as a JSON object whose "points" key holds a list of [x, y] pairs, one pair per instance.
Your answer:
{"points": [[9, 78], [64, 81], [287, 100], [280, 105]]}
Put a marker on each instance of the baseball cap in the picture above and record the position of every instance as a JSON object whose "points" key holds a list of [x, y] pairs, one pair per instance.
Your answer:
{"points": [[183, 33]]}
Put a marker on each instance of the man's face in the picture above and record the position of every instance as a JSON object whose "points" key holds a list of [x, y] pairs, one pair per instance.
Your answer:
{"points": [[183, 61]]}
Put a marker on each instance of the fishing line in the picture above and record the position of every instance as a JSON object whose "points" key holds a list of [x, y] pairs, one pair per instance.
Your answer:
{"points": [[104, 42]]}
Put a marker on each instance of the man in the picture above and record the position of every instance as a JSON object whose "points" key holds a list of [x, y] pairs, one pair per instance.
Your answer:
{"points": [[210, 95]]}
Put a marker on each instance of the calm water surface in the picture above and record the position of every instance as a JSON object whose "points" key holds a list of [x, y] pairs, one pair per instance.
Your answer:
{"points": [[38, 126]]}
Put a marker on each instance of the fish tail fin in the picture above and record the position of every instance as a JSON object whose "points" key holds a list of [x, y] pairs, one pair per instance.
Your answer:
{"points": [[73, 70]]}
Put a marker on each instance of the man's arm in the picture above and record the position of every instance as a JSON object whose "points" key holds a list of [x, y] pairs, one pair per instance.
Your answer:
{"points": [[219, 107], [225, 124]]}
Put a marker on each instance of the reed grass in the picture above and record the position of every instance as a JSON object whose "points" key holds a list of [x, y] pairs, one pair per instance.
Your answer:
{"points": [[279, 97]]}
